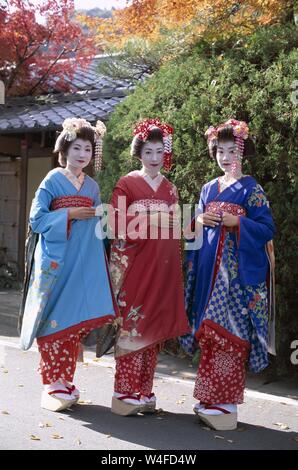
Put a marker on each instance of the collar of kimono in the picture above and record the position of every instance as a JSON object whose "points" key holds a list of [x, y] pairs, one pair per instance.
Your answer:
{"points": [[153, 182], [76, 181]]}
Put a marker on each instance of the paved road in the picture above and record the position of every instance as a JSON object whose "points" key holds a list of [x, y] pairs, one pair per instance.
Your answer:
{"points": [[265, 421]]}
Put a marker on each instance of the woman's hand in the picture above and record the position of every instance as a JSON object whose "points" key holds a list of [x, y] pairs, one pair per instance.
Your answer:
{"points": [[229, 220], [210, 219], [81, 213]]}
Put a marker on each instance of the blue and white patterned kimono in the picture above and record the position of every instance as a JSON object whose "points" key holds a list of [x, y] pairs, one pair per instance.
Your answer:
{"points": [[228, 277], [69, 284]]}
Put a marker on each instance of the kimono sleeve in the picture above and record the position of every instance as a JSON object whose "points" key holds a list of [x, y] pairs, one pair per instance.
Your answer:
{"points": [[254, 232], [53, 225], [122, 224], [96, 195], [257, 228]]}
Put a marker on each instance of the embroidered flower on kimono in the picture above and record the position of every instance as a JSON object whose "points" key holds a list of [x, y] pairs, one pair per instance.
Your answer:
{"points": [[134, 333], [54, 324], [54, 265], [124, 260], [124, 333], [134, 314], [257, 197], [174, 191]]}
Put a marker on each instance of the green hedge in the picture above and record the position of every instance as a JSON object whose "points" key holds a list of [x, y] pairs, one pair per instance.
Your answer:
{"points": [[249, 79]]}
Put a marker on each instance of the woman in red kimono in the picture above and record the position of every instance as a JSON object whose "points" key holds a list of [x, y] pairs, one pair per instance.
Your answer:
{"points": [[145, 268]]}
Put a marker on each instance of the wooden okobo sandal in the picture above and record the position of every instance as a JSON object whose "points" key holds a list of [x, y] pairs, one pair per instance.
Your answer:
{"points": [[149, 404], [225, 421], [51, 402], [121, 407]]}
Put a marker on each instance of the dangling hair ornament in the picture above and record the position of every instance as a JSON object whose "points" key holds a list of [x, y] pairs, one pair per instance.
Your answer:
{"points": [[71, 128], [143, 129], [240, 132], [100, 130]]}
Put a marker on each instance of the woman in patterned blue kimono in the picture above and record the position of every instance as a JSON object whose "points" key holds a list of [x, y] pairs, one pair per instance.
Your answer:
{"points": [[228, 292], [69, 291]]}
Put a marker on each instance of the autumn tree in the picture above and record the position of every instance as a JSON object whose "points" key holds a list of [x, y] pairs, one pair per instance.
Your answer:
{"points": [[147, 33], [40, 44], [149, 19]]}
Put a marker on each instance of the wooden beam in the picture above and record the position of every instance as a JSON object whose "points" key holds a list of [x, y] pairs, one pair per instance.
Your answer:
{"points": [[22, 212], [40, 152]]}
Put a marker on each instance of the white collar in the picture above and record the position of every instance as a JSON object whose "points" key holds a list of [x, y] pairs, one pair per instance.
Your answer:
{"points": [[77, 181], [153, 182]]}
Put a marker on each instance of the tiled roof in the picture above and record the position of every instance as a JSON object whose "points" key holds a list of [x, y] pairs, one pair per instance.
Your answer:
{"points": [[23, 114], [95, 97], [88, 79]]}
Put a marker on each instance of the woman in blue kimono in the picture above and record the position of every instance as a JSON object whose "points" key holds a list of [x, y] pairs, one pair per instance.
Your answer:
{"points": [[69, 292], [229, 287]]}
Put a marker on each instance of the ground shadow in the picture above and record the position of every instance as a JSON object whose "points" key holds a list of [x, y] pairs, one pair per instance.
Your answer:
{"points": [[174, 431]]}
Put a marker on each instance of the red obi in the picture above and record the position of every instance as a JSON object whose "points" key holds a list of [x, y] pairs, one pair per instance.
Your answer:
{"points": [[219, 207], [71, 201]]}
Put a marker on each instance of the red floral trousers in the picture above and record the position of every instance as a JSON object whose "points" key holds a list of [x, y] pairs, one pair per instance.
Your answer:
{"points": [[135, 372]]}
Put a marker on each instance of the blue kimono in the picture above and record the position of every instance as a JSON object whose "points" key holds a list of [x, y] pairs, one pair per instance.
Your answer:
{"points": [[69, 285], [228, 276]]}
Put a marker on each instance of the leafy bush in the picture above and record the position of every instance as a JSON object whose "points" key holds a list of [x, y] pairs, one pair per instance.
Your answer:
{"points": [[250, 79]]}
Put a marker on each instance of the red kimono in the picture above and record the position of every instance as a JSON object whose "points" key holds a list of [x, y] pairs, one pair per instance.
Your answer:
{"points": [[146, 273]]}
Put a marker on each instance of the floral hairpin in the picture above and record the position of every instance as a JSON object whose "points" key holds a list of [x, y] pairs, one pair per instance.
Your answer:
{"points": [[71, 128], [240, 132]]}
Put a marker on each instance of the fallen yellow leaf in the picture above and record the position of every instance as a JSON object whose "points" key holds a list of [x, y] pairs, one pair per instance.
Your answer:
{"points": [[56, 436], [45, 425], [34, 438], [282, 426], [84, 402], [5, 413]]}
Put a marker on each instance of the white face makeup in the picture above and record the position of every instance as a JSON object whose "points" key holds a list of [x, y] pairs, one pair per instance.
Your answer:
{"points": [[79, 154], [228, 158], [152, 157]]}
